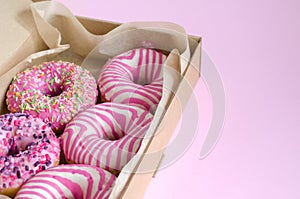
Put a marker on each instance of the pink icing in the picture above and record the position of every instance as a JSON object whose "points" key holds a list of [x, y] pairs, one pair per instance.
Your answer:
{"points": [[107, 135], [28, 146], [52, 91], [134, 78], [69, 181]]}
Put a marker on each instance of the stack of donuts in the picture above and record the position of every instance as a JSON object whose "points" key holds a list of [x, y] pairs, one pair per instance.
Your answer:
{"points": [[58, 141]]}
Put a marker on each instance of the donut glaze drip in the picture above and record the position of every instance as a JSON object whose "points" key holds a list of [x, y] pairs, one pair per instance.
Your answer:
{"points": [[69, 181], [52, 91], [27, 146]]}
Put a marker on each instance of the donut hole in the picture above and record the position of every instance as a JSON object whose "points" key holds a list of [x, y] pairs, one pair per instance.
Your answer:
{"points": [[53, 91], [140, 75], [17, 145], [114, 136], [52, 86], [141, 80], [13, 151]]}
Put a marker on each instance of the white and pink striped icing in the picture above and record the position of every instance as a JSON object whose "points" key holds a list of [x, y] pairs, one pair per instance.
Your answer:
{"points": [[27, 146], [52, 91], [69, 181], [107, 135], [134, 78]]}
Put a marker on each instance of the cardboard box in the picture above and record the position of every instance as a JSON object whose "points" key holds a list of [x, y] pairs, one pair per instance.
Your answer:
{"points": [[18, 37], [28, 40]]}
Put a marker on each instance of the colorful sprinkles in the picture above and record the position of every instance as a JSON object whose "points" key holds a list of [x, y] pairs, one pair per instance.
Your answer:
{"points": [[27, 146], [52, 91]]}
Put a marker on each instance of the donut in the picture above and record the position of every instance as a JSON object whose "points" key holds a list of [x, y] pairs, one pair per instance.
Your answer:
{"points": [[69, 181], [134, 78], [27, 146], [52, 91], [107, 135]]}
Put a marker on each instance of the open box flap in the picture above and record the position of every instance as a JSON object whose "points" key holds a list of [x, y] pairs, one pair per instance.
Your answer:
{"points": [[57, 26], [17, 33]]}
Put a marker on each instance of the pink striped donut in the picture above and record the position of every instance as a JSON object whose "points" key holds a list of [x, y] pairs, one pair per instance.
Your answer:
{"points": [[107, 135], [52, 91], [134, 77], [69, 181]]}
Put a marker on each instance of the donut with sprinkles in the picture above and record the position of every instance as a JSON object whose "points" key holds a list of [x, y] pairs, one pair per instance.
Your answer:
{"points": [[52, 91], [27, 146]]}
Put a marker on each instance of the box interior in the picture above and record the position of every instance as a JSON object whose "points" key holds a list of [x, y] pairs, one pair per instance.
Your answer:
{"points": [[136, 183]]}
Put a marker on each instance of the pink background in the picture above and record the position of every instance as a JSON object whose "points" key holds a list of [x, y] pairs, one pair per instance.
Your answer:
{"points": [[255, 46]]}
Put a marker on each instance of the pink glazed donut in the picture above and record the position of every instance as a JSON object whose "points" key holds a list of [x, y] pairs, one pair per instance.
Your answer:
{"points": [[27, 146], [69, 181], [134, 78], [52, 91], [107, 135]]}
